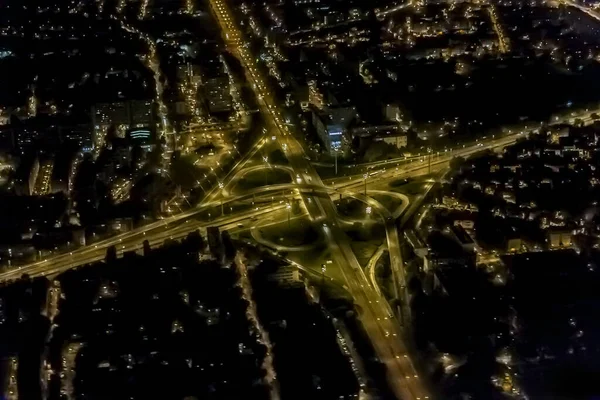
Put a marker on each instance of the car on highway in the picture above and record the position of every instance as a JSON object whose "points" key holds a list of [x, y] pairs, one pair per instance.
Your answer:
{"points": [[403, 181]]}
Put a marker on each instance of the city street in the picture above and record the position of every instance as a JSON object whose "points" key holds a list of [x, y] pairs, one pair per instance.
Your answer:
{"points": [[269, 202], [378, 323], [383, 328], [306, 199]]}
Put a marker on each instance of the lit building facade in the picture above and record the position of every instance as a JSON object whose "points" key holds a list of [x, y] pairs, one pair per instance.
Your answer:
{"points": [[332, 128]]}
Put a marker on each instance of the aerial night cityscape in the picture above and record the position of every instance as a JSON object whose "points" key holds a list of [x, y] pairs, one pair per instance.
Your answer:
{"points": [[299, 199]]}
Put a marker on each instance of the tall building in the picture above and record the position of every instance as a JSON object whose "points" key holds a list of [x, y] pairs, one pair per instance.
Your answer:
{"points": [[26, 136], [286, 276], [396, 138], [63, 172], [26, 175], [392, 112], [217, 94], [187, 73], [111, 113], [144, 137], [130, 113], [141, 112], [80, 134], [121, 114], [332, 127]]}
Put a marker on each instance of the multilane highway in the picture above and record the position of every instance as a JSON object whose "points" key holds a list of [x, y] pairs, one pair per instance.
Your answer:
{"points": [[383, 330], [377, 321], [595, 15], [380, 325], [184, 222], [96, 251], [375, 317], [390, 169]]}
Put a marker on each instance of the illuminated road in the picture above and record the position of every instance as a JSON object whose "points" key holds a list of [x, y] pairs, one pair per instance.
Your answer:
{"points": [[393, 244], [370, 268], [125, 243], [380, 325], [503, 42], [582, 8], [42, 182], [96, 251], [375, 317], [390, 10], [375, 313]]}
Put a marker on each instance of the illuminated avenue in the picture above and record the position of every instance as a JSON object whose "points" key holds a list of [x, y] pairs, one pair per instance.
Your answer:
{"points": [[377, 316], [381, 325], [193, 156]]}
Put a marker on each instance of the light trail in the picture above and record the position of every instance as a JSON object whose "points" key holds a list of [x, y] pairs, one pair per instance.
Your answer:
{"points": [[163, 229], [595, 15], [392, 9], [503, 41], [67, 372], [12, 387], [379, 325], [143, 9], [153, 64]]}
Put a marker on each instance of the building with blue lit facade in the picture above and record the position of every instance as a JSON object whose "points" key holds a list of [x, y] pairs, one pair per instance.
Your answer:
{"points": [[144, 137], [332, 126]]}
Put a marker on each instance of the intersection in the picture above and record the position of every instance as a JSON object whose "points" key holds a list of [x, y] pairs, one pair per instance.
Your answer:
{"points": [[382, 327]]}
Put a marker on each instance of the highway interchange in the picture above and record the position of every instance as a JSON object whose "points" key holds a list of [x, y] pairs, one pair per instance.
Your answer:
{"points": [[381, 325], [379, 322]]}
